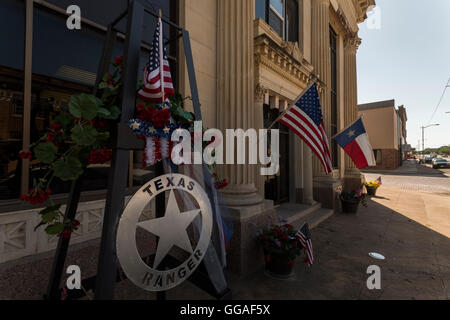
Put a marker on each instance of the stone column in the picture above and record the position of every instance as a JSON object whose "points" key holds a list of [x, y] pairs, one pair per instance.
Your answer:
{"points": [[352, 178], [308, 196], [324, 186], [260, 93], [236, 109], [321, 60]]}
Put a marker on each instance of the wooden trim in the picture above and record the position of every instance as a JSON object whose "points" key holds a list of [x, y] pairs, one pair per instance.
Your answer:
{"points": [[27, 92]]}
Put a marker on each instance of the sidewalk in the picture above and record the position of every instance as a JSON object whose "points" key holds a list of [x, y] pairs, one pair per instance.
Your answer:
{"points": [[411, 230], [408, 167]]}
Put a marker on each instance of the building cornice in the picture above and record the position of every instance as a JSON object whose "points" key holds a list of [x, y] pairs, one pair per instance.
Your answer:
{"points": [[361, 7], [281, 57]]}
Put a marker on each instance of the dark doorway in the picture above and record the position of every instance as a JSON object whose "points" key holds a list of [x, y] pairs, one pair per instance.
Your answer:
{"points": [[277, 186]]}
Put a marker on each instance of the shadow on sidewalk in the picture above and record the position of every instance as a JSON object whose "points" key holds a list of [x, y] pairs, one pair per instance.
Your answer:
{"points": [[417, 264]]}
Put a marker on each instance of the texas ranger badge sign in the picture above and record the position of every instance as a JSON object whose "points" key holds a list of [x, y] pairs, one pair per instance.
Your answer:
{"points": [[171, 230]]}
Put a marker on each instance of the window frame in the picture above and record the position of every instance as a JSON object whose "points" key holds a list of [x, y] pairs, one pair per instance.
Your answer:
{"points": [[270, 8]]}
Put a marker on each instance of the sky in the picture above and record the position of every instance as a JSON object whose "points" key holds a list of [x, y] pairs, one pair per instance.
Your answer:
{"points": [[405, 55]]}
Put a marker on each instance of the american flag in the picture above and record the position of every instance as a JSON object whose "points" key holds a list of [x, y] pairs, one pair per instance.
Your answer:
{"points": [[154, 73], [304, 236], [305, 119]]}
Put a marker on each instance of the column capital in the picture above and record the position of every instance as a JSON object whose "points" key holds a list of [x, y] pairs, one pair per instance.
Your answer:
{"points": [[352, 43], [260, 92]]}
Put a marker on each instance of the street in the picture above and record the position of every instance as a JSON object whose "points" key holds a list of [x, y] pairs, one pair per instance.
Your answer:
{"points": [[415, 177]]}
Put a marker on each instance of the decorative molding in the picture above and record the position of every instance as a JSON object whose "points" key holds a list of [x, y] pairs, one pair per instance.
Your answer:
{"points": [[361, 7], [283, 58], [260, 92], [18, 238]]}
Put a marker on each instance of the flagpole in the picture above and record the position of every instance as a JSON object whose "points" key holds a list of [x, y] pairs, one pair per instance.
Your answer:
{"points": [[290, 107], [161, 55]]}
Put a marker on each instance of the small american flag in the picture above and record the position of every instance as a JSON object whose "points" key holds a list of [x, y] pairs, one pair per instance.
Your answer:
{"points": [[304, 236], [305, 119], [157, 78], [379, 181]]}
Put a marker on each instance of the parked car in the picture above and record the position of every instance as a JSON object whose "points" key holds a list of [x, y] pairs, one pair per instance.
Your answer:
{"points": [[440, 163], [428, 159]]}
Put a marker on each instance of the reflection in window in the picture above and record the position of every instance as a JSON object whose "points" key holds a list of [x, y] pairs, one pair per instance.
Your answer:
{"points": [[281, 15]]}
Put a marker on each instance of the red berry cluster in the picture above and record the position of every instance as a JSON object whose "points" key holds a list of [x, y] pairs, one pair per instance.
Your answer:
{"points": [[36, 196], [25, 155], [99, 156]]}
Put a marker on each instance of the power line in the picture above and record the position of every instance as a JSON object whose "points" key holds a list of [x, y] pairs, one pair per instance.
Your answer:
{"points": [[440, 101]]}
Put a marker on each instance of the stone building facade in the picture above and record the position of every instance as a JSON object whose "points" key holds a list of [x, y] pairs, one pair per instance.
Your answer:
{"points": [[251, 65], [252, 59]]}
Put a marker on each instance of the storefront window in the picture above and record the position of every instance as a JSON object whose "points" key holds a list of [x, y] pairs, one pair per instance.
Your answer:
{"points": [[65, 62], [12, 28]]}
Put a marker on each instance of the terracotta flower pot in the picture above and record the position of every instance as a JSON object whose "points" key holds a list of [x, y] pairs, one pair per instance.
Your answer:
{"points": [[279, 265], [349, 206], [371, 191]]}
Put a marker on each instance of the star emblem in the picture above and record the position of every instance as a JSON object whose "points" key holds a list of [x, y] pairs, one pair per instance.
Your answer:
{"points": [[166, 130], [152, 130], [135, 125], [351, 133], [171, 229]]}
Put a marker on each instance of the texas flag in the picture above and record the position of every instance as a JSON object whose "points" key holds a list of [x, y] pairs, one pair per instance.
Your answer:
{"points": [[355, 142]]}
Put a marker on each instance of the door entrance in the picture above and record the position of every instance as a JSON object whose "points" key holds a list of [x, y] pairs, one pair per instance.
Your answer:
{"points": [[277, 186]]}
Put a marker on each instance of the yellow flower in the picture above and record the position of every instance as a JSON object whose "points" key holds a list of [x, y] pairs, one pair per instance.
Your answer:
{"points": [[372, 184]]}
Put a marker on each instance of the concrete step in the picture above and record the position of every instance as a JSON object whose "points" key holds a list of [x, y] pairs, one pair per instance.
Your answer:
{"points": [[298, 214]]}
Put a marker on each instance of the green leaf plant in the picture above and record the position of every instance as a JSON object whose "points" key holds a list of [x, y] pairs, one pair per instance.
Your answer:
{"points": [[78, 136]]}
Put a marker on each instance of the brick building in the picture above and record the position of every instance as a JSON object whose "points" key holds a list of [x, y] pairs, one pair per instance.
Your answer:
{"points": [[386, 127]]}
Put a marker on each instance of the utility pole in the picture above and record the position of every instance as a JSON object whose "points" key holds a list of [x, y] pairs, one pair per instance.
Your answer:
{"points": [[423, 135]]}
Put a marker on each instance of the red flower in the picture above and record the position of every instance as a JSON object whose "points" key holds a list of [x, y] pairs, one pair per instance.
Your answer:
{"points": [[267, 258], [36, 196], [66, 234], [145, 113], [161, 118], [291, 263], [25, 155], [50, 137], [76, 224], [117, 61], [100, 156], [55, 126]]}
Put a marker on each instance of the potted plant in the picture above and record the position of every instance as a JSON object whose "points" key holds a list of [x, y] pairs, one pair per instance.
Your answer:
{"points": [[350, 200], [372, 186], [281, 248]]}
